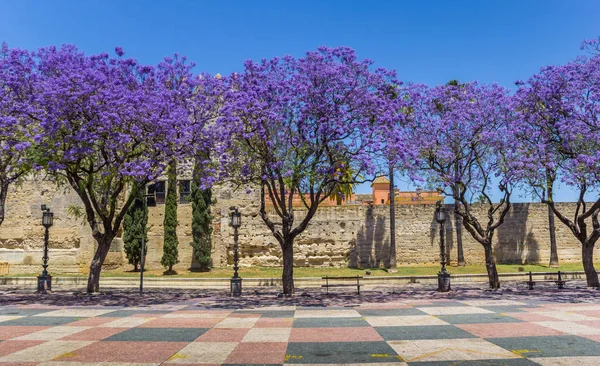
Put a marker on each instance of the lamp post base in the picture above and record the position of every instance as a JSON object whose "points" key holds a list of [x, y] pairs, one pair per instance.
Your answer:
{"points": [[236, 286], [443, 282], [44, 284]]}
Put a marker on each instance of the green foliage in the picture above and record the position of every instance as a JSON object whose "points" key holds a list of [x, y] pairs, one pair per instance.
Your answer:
{"points": [[170, 251], [135, 228], [345, 186], [201, 226]]}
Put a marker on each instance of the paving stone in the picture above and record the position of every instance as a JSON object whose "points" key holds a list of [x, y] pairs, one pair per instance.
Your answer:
{"points": [[277, 314], [223, 335], [570, 327], [158, 335], [267, 335], [40, 321], [10, 346], [436, 304], [138, 352], [478, 318], [503, 330], [203, 352], [45, 351], [258, 353], [23, 311], [50, 334], [390, 312], [567, 361], [341, 334], [449, 350], [340, 353], [422, 332], [126, 313], [409, 320], [451, 310], [550, 346], [497, 362], [329, 322], [78, 313], [15, 331], [337, 313], [505, 309]]}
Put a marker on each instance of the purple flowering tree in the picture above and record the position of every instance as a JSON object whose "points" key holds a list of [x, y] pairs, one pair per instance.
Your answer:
{"points": [[105, 128], [460, 135], [299, 126], [591, 45], [560, 112], [16, 85]]}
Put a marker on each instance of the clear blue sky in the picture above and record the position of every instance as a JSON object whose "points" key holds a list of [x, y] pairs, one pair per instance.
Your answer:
{"points": [[425, 41]]}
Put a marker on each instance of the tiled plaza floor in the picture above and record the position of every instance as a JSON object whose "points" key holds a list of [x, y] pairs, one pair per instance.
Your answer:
{"points": [[422, 328]]}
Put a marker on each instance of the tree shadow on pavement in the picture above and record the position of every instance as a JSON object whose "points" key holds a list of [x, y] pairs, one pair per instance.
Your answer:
{"points": [[313, 297]]}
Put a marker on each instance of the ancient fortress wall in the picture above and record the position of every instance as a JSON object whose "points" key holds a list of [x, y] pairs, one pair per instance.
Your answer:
{"points": [[338, 236]]}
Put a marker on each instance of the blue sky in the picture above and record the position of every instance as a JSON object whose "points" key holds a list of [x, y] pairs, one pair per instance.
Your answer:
{"points": [[425, 41]]}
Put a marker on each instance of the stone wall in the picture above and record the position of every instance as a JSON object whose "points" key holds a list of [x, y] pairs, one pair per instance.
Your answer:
{"points": [[338, 236]]}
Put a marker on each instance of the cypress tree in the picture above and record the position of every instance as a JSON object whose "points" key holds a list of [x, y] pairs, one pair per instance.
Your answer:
{"points": [[135, 227], [170, 252], [201, 225]]}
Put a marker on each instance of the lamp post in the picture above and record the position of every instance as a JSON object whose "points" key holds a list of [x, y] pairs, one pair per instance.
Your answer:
{"points": [[45, 280], [443, 275], [236, 280]]}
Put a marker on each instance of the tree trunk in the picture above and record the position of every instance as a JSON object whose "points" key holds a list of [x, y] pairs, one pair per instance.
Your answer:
{"points": [[459, 243], [587, 255], [392, 223], [3, 194], [490, 266], [551, 226], [553, 249], [93, 284], [287, 278]]}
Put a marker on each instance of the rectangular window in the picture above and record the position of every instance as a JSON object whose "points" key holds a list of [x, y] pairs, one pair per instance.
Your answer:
{"points": [[151, 195], [185, 191], [160, 192]]}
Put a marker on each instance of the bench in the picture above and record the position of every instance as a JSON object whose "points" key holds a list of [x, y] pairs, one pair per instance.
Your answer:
{"points": [[559, 282], [327, 285]]}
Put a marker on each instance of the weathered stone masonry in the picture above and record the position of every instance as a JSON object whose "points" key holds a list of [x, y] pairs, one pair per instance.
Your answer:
{"points": [[356, 236]]}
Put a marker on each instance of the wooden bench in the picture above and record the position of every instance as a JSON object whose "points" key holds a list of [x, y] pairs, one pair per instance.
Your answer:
{"points": [[559, 281], [327, 285]]}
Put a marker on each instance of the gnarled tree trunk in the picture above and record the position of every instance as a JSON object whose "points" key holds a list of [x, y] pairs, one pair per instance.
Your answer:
{"points": [[93, 284], [3, 194], [587, 255], [490, 266], [552, 230], [459, 244], [551, 225], [287, 277]]}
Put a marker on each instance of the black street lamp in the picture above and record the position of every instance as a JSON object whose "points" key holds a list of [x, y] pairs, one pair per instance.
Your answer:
{"points": [[45, 280], [236, 280], [443, 275]]}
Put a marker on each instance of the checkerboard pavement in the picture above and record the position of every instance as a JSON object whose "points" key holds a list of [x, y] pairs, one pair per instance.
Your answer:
{"points": [[419, 332]]}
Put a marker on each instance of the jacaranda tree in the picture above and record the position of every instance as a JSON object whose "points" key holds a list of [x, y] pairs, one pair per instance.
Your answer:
{"points": [[460, 133], [17, 80], [560, 112], [298, 126], [105, 127]]}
